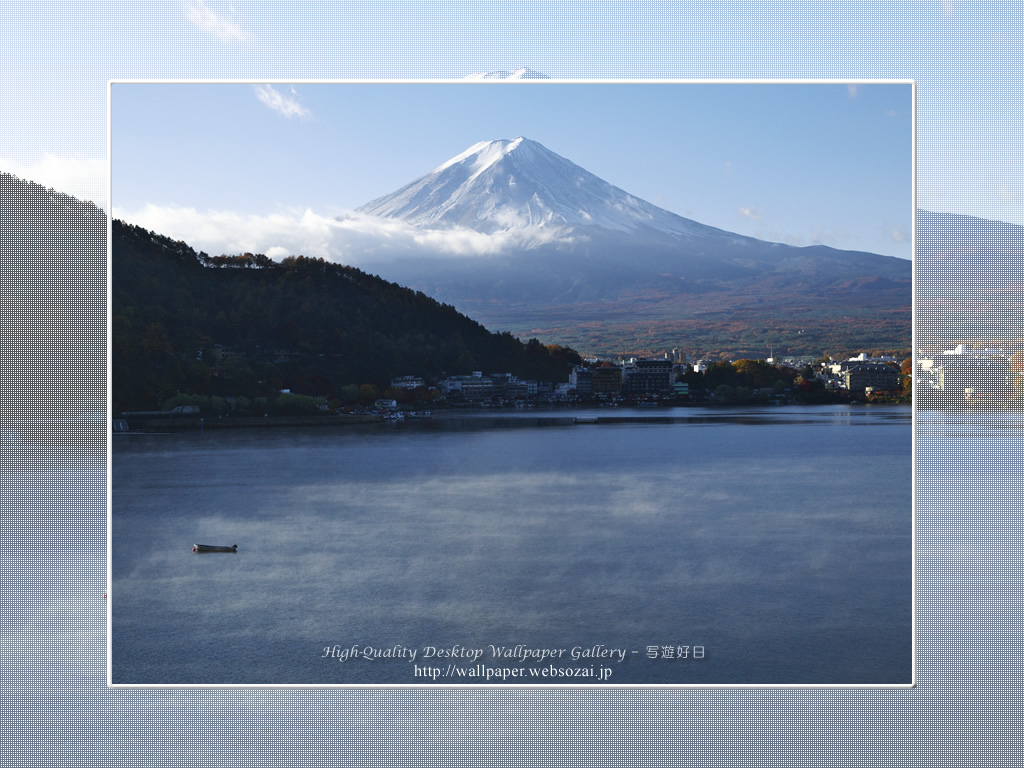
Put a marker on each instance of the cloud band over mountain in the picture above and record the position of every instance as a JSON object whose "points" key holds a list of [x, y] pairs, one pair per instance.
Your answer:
{"points": [[351, 238]]}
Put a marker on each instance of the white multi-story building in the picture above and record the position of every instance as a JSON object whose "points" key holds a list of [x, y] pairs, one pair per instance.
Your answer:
{"points": [[407, 382]]}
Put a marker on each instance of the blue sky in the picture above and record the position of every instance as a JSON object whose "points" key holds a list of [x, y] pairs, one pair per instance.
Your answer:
{"points": [[963, 56], [801, 163]]}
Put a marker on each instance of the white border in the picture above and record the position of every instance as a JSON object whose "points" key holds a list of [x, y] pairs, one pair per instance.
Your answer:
{"points": [[108, 597]]}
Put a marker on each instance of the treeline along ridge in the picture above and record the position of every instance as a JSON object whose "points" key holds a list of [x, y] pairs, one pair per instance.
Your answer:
{"points": [[248, 327]]}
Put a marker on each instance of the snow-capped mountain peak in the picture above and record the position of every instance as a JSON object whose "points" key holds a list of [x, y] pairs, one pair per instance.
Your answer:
{"points": [[482, 155], [521, 73], [517, 184]]}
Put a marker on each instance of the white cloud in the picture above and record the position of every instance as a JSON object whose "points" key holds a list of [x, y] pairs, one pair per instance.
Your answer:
{"points": [[208, 20], [288, 106], [81, 177], [751, 213], [352, 238]]}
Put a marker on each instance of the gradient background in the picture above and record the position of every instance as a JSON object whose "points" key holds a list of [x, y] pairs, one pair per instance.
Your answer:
{"points": [[56, 707]]}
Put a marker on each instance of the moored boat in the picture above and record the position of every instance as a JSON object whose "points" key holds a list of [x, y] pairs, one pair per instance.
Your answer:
{"points": [[211, 548]]}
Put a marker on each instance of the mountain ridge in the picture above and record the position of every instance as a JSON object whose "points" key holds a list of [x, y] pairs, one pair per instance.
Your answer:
{"points": [[632, 274]]}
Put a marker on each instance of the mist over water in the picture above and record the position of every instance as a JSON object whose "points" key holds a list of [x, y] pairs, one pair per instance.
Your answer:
{"points": [[778, 540]]}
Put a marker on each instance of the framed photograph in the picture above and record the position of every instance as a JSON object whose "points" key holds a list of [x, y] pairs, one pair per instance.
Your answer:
{"points": [[548, 383]]}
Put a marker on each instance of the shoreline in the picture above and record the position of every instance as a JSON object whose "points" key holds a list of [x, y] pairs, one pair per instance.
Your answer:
{"points": [[169, 424], [197, 423]]}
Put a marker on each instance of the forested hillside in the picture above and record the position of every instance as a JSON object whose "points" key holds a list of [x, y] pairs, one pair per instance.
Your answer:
{"points": [[247, 326], [53, 257]]}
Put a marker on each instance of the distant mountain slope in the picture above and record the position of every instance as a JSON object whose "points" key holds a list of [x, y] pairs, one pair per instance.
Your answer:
{"points": [[970, 281], [53, 256], [608, 272], [248, 326]]}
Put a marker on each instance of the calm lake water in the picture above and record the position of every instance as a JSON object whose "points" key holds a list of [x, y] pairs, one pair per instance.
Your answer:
{"points": [[774, 544]]}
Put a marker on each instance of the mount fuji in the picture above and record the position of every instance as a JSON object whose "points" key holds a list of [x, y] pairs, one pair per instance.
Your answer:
{"points": [[520, 73], [588, 264], [520, 184]]}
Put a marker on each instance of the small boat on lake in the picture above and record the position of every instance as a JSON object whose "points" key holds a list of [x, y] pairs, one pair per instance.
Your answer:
{"points": [[211, 548]]}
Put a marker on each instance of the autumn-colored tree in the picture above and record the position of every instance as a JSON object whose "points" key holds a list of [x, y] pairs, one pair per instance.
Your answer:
{"points": [[1016, 372], [756, 373], [367, 392], [907, 374]]}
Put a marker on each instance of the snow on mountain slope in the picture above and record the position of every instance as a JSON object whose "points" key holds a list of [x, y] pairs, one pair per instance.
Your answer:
{"points": [[522, 73], [507, 185], [571, 257]]}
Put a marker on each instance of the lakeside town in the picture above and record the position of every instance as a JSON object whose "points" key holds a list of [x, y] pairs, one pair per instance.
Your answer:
{"points": [[963, 378], [971, 376], [670, 379]]}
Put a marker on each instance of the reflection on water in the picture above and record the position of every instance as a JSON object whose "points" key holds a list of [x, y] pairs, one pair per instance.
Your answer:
{"points": [[778, 540]]}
